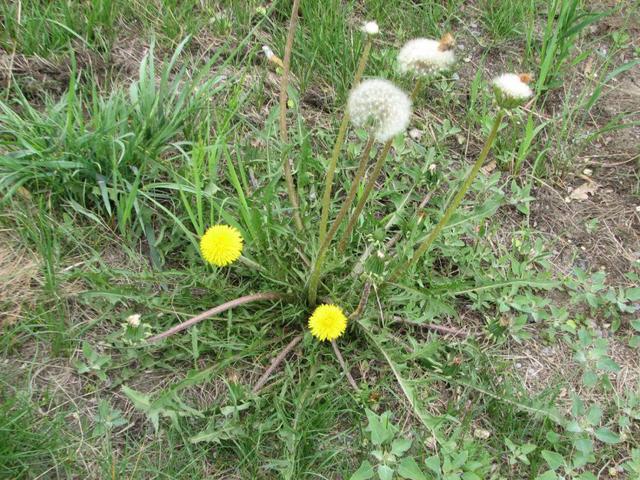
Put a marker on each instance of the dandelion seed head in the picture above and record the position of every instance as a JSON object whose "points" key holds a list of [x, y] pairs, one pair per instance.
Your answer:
{"points": [[327, 322], [134, 320], [381, 106], [267, 52], [512, 90], [424, 57], [221, 245], [370, 28]]}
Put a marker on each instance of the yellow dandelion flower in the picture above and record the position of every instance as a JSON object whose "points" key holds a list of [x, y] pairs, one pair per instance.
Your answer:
{"points": [[327, 322], [221, 245]]}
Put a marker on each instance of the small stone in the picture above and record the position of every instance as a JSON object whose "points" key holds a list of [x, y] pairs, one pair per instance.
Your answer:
{"points": [[416, 134]]}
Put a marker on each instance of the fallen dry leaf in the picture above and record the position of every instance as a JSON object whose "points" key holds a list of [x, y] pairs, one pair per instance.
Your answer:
{"points": [[489, 167], [583, 191]]}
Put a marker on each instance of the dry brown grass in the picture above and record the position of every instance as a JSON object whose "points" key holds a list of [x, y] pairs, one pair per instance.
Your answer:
{"points": [[20, 279]]}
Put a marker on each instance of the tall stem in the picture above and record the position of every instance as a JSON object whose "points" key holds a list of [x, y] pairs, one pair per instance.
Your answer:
{"points": [[416, 89], [284, 137], [382, 156], [342, 131], [424, 247], [317, 267]]}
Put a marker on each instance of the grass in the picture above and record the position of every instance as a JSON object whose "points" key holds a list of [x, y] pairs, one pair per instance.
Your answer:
{"points": [[109, 180]]}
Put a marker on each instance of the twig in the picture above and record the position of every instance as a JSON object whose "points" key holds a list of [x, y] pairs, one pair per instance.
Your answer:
{"points": [[363, 302], [436, 328], [352, 382], [353, 317], [13, 50], [284, 137], [274, 364], [216, 310], [610, 165]]}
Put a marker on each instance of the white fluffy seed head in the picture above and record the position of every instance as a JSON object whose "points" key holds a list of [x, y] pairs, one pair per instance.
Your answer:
{"points": [[370, 28], [424, 57], [512, 90], [380, 106], [268, 52], [134, 320]]}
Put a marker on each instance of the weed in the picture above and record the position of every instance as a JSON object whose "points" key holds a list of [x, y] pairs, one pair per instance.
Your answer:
{"points": [[456, 369]]}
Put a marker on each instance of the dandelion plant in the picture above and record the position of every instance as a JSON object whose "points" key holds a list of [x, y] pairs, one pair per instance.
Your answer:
{"points": [[383, 111]]}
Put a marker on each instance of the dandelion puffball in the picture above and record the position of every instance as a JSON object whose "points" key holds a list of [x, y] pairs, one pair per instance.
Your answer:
{"points": [[221, 245], [370, 28], [381, 106], [327, 322], [134, 320], [266, 49], [512, 90], [423, 56]]}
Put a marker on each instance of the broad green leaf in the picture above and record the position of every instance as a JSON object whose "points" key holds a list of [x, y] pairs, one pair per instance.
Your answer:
{"points": [[385, 472], [633, 294], [365, 472], [577, 406], [586, 476], [552, 437], [380, 427], [607, 364], [607, 436], [589, 379], [555, 460], [548, 475], [410, 469], [470, 476], [594, 415], [584, 445], [433, 464], [574, 427], [399, 446]]}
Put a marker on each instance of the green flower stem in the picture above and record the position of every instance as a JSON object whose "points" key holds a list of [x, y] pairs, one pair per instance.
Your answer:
{"points": [[317, 267], [455, 202], [382, 156], [284, 137], [416, 89], [342, 131]]}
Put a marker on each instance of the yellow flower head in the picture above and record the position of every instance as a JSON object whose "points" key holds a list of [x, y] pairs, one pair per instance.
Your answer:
{"points": [[327, 322], [221, 245]]}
